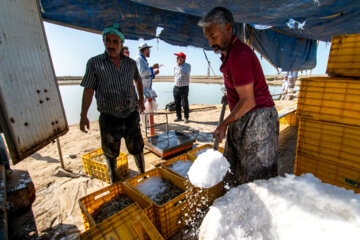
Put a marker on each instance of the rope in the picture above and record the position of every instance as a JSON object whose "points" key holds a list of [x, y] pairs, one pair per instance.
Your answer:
{"points": [[221, 85]]}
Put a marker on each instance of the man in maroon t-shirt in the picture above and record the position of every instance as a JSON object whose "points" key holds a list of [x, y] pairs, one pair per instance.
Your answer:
{"points": [[253, 127]]}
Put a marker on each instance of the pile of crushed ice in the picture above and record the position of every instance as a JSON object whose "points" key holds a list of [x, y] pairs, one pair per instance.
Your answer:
{"points": [[283, 208], [208, 169]]}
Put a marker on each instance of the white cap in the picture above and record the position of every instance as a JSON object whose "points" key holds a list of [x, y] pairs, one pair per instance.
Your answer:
{"points": [[143, 46]]}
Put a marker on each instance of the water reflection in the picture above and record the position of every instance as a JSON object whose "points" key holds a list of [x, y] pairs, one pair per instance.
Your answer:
{"points": [[199, 93]]}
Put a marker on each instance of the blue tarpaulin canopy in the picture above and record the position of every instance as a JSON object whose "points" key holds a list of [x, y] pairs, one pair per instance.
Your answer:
{"points": [[288, 42]]}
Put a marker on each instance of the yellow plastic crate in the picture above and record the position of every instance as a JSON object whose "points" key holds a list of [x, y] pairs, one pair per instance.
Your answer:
{"points": [[90, 203], [169, 216], [328, 172], [95, 166], [202, 198], [344, 56], [209, 146], [333, 142], [131, 224], [291, 119], [330, 99]]}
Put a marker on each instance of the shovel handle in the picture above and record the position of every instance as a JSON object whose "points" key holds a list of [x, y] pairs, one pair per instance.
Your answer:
{"points": [[216, 142], [217, 138]]}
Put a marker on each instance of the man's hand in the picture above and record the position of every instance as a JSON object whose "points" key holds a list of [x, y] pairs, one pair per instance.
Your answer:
{"points": [[224, 99], [156, 72], [140, 104], [156, 65], [220, 131], [84, 122]]}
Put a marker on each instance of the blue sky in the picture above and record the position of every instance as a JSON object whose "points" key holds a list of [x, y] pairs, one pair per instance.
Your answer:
{"points": [[70, 50]]}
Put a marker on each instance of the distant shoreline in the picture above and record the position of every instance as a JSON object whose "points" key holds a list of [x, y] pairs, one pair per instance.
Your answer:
{"points": [[272, 80]]}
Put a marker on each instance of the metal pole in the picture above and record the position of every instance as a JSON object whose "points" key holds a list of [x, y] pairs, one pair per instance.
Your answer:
{"points": [[217, 139], [60, 154], [151, 120]]}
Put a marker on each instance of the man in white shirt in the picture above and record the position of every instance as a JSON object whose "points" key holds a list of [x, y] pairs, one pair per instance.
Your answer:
{"points": [[181, 89], [147, 73], [288, 89]]}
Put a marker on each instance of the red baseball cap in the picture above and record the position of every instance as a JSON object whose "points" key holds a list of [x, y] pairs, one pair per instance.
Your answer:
{"points": [[180, 54]]}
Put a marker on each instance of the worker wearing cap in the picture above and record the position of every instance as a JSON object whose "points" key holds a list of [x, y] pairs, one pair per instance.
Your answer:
{"points": [[252, 125], [111, 76], [147, 73], [181, 88]]}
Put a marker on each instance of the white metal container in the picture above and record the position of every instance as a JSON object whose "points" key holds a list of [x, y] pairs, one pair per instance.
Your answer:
{"points": [[31, 109]]}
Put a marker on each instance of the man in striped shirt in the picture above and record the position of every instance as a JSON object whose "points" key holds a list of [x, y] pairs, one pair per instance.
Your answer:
{"points": [[111, 76], [181, 88]]}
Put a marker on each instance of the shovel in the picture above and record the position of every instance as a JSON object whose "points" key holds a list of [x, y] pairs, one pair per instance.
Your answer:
{"points": [[217, 139]]}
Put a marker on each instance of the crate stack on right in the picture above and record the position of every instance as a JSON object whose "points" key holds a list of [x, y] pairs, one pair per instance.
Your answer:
{"points": [[328, 143]]}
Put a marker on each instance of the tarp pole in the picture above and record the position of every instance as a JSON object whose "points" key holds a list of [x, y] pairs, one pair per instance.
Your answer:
{"points": [[60, 154]]}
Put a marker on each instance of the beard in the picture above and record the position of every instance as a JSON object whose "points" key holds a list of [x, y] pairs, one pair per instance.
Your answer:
{"points": [[218, 49]]}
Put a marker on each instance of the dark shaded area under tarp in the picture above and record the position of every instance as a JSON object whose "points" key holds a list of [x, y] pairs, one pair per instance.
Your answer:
{"points": [[295, 23]]}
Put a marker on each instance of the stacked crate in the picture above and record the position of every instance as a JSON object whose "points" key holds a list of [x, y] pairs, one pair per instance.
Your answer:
{"points": [[170, 216], [329, 111], [130, 223], [92, 202]]}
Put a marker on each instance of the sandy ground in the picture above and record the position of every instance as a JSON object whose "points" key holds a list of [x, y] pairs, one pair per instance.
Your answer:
{"points": [[56, 209]]}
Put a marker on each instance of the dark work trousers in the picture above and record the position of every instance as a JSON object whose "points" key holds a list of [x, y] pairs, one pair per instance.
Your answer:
{"points": [[252, 146], [181, 96], [112, 129]]}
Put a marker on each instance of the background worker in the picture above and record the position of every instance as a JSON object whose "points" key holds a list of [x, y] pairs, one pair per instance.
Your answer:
{"points": [[284, 88], [125, 51], [147, 74], [116, 99], [181, 88], [292, 77], [288, 85], [252, 138]]}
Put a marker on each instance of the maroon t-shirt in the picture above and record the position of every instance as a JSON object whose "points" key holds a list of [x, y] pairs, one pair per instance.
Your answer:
{"points": [[241, 67]]}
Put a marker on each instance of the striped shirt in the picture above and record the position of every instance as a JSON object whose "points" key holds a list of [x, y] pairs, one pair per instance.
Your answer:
{"points": [[114, 89], [182, 74]]}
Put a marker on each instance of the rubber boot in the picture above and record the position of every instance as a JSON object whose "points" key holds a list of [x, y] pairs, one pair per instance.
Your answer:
{"points": [[111, 166], [140, 162]]}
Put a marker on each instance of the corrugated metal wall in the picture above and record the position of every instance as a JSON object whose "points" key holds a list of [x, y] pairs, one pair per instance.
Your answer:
{"points": [[31, 110]]}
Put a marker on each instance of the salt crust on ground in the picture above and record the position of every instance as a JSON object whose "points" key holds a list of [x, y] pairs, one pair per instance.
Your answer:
{"points": [[290, 207], [208, 169]]}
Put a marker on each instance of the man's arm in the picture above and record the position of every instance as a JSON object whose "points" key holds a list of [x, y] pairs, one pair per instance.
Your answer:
{"points": [[245, 104], [86, 102], [139, 88], [186, 69]]}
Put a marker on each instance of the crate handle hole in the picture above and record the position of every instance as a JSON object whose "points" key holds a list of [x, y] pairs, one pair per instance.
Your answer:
{"points": [[101, 195], [179, 202], [143, 178]]}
